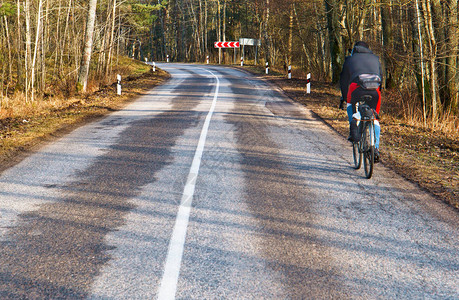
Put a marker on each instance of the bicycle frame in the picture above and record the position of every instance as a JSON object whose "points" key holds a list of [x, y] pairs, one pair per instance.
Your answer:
{"points": [[371, 123]]}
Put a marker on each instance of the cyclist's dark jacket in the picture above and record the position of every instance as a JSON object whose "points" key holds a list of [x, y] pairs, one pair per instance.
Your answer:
{"points": [[362, 61]]}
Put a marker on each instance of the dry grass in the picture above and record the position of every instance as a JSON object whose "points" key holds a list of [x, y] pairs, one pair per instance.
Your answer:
{"points": [[24, 125], [427, 155]]}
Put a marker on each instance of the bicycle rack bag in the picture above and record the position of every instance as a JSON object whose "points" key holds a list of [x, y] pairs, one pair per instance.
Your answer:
{"points": [[369, 81]]}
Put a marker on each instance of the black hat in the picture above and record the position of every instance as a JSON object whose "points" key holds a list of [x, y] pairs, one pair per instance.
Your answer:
{"points": [[362, 44]]}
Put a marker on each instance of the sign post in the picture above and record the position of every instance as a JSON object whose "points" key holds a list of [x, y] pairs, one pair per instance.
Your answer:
{"points": [[250, 42]]}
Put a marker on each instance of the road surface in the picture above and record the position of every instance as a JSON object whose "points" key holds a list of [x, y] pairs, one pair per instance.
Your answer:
{"points": [[215, 186]]}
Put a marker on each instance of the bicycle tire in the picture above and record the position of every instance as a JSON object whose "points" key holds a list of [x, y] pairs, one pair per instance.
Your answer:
{"points": [[357, 154], [369, 151]]}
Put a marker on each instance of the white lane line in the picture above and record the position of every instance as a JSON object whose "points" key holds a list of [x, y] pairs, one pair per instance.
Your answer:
{"points": [[168, 286]]}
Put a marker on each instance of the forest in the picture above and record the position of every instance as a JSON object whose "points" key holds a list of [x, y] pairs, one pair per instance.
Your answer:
{"points": [[51, 47]]}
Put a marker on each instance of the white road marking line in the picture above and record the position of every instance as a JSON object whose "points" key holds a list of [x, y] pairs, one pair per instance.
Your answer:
{"points": [[169, 281]]}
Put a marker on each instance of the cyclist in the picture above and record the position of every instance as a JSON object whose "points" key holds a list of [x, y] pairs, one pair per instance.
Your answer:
{"points": [[358, 68]]}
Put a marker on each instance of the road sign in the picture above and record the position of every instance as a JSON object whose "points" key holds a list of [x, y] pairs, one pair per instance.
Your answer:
{"points": [[249, 42], [226, 44]]}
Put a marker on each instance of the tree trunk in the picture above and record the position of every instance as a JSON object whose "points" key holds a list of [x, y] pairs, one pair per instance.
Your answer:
{"points": [[265, 33], [205, 26], [20, 80], [10, 57], [87, 51], [432, 60], [452, 41], [346, 22], [363, 11], [43, 60], [196, 32], [290, 36], [27, 58], [421, 53], [305, 52], [322, 59], [201, 30], [219, 31], [66, 29], [111, 41], [224, 25], [333, 26], [57, 40], [37, 47], [388, 42], [45, 44]]}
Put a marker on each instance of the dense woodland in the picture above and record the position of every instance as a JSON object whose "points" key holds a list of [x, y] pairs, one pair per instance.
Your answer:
{"points": [[58, 45]]}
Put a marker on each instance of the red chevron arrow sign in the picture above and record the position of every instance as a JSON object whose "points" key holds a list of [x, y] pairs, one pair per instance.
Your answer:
{"points": [[226, 44]]}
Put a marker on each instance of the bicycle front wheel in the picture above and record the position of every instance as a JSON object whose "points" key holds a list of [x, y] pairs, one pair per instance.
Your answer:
{"points": [[368, 150]]}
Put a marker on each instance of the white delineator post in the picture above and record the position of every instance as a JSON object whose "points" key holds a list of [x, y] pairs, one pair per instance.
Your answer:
{"points": [[242, 61], [154, 67], [289, 72], [267, 68], [207, 59], [167, 58], [308, 83], [118, 84]]}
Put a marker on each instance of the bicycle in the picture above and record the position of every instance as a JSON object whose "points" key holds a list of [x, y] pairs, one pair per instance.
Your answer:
{"points": [[365, 147]]}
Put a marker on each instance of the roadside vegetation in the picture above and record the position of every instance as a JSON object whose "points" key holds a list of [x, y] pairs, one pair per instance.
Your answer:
{"points": [[426, 155]]}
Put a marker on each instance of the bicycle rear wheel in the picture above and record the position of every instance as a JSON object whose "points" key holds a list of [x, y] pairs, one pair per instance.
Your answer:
{"points": [[357, 154], [368, 150]]}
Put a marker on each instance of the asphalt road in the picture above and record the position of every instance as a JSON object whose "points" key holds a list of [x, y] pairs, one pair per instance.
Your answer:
{"points": [[215, 186]]}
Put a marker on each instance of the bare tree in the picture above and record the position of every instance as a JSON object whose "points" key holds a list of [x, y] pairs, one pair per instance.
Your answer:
{"points": [[8, 42], [37, 45], [421, 53], [432, 56], [87, 51], [387, 43], [290, 35], [27, 59], [452, 54], [334, 37], [111, 41]]}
